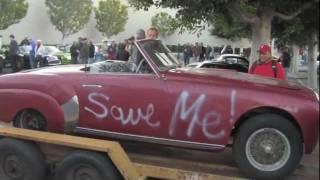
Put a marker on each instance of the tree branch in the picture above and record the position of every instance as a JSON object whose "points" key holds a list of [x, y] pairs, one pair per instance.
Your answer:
{"points": [[243, 17], [295, 14]]}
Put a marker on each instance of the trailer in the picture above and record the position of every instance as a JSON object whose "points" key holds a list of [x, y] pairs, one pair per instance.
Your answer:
{"points": [[27, 155]]}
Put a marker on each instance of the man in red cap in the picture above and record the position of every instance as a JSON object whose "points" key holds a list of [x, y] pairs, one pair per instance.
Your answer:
{"points": [[265, 66]]}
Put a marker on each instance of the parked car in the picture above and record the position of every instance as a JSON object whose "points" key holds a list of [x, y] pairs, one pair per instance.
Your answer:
{"points": [[25, 52], [268, 122], [64, 55], [5, 62], [1, 62], [54, 56], [225, 61]]}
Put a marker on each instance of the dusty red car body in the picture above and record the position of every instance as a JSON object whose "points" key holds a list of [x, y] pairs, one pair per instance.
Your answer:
{"points": [[194, 108]]}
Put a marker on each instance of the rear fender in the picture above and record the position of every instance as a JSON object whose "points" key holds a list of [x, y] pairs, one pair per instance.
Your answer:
{"points": [[12, 101]]}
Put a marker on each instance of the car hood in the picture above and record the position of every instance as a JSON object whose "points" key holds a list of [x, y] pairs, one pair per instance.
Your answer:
{"points": [[57, 69], [231, 77]]}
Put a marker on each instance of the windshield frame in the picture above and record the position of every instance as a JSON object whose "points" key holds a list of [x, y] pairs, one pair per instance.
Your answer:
{"points": [[149, 56]]}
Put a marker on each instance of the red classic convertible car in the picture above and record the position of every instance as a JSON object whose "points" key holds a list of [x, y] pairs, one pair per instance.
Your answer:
{"points": [[269, 123]]}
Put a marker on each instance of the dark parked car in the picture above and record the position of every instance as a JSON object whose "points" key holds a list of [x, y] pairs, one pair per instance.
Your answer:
{"points": [[226, 61], [270, 123]]}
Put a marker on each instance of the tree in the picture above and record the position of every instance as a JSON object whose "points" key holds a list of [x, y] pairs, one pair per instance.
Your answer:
{"points": [[70, 16], [165, 23], [11, 12], [226, 27], [257, 14], [293, 33], [111, 17]]}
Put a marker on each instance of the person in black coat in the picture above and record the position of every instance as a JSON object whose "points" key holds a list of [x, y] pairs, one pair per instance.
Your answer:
{"points": [[122, 54]]}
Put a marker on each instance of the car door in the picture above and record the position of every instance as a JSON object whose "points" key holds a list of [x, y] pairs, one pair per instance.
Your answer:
{"points": [[122, 105], [201, 115]]}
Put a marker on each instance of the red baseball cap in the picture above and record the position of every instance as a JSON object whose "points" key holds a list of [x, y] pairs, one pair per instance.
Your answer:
{"points": [[264, 49]]}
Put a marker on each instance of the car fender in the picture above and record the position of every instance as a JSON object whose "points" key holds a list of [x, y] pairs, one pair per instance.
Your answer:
{"points": [[15, 100]]}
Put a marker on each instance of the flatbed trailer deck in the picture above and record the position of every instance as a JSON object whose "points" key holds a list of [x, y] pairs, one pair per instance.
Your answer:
{"points": [[131, 166]]}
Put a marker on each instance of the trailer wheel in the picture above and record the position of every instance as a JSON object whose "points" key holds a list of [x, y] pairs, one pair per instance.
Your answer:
{"points": [[268, 146], [86, 165], [20, 160]]}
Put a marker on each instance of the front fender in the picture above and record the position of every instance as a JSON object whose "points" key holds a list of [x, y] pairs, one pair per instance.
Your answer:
{"points": [[14, 100]]}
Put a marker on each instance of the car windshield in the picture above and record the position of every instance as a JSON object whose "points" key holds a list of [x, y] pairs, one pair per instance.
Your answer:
{"points": [[160, 54], [52, 50]]}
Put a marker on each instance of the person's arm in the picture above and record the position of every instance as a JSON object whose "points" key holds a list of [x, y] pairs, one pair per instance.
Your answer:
{"points": [[251, 70]]}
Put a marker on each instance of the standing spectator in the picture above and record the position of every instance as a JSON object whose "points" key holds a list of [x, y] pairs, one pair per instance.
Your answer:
{"points": [[202, 52], [266, 66], [32, 56], [136, 56], [196, 51], [84, 51], [130, 45], [208, 52], [25, 42], [227, 50], [99, 54], [74, 52], [285, 59], [187, 53], [40, 54], [13, 53], [122, 54], [92, 51], [152, 33], [112, 51]]}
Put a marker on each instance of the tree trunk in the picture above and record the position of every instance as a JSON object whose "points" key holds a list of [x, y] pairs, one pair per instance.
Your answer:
{"points": [[261, 34], [295, 59], [62, 40], [312, 64]]}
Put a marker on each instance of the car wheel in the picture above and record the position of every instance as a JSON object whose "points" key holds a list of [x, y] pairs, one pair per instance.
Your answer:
{"points": [[20, 160], [267, 146], [30, 119], [86, 165]]}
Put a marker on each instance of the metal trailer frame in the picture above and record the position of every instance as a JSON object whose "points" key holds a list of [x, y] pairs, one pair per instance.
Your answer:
{"points": [[128, 169]]}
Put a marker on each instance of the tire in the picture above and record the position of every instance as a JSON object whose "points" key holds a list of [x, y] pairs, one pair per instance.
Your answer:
{"points": [[86, 165], [21, 160], [267, 146], [30, 119]]}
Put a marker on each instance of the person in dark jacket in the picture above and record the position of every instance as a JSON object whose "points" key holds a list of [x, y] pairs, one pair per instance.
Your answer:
{"points": [[285, 59], [122, 54], [74, 52], [13, 53], [92, 52]]}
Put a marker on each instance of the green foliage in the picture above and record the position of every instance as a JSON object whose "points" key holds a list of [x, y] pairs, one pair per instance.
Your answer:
{"points": [[165, 23], [225, 15], [226, 27], [295, 31], [69, 16], [111, 17], [11, 12]]}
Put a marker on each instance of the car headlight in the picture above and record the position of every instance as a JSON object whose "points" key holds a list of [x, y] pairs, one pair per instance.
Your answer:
{"points": [[317, 95]]}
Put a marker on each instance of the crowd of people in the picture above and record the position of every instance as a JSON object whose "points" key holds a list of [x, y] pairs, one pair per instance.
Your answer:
{"points": [[84, 51]]}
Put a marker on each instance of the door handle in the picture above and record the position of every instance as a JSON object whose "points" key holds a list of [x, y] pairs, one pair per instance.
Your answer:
{"points": [[91, 86]]}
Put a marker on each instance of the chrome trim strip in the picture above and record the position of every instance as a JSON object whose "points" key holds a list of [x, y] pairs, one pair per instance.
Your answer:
{"points": [[91, 86], [179, 143], [71, 113]]}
